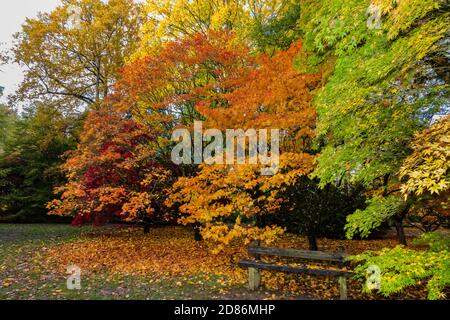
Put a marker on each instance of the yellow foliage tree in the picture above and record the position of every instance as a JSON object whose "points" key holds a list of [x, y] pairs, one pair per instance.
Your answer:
{"points": [[72, 55], [425, 176], [230, 200], [175, 19], [426, 170]]}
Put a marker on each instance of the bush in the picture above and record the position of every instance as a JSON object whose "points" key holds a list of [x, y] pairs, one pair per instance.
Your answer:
{"points": [[436, 241], [401, 267], [317, 212]]}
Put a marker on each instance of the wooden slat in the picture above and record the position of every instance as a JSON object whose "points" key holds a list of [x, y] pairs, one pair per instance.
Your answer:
{"points": [[290, 269], [296, 253]]}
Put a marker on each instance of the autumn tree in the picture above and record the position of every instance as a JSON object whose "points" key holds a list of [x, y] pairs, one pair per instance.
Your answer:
{"points": [[260, 23], [269, 94], [114, 173], [122, 165], [167, 85], [72, 55], [386, 84], [4, 57], [214, 77], [231, 200], [425, 177], [164, 89], [426, 170]]}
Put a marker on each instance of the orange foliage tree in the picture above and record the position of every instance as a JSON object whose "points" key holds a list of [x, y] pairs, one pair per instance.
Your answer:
{"points": [[165, 87], [231, 200], [211, 77], [113, 173], [269, 94], [122, 164]]}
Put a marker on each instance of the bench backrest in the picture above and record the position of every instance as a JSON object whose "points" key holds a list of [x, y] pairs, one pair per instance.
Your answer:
{"points": [[296, 253]]}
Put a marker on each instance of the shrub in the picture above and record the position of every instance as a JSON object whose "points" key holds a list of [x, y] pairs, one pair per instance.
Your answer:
{"points": [[401, 267]]}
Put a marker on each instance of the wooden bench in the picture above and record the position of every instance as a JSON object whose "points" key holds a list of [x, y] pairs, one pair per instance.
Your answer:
{"points": [[254, 266]]}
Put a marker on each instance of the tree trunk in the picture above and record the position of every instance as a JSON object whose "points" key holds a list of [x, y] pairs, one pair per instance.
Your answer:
{"points": [[146, 228], [197, 235], [400, 232], [398, 222], [97, 85], [312, 241]]}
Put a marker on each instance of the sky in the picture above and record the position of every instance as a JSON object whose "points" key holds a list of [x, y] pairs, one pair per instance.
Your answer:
{"points": [[12, 15]]}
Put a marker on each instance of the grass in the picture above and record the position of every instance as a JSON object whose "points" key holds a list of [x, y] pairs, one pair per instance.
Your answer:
{"points": [[22, 278], [120, 262], [23, 253]]}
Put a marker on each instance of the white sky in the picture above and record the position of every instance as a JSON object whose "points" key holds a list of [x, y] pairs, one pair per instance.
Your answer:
{"points": [[12, 15]]}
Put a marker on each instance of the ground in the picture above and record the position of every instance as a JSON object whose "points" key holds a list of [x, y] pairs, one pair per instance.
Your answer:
{"points": [[120, 262]]}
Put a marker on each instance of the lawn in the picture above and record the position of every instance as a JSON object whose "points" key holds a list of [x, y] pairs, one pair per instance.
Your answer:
{"points": [[120, 262]]}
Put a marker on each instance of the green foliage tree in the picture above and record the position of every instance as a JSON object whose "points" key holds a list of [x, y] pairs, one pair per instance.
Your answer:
{"points": [[33, 145], [8, 118], [385, 84], [379, 210], [425, 177], [427, 169], [278, 30]]}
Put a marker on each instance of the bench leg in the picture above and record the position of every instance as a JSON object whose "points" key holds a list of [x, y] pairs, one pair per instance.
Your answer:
{"points": [[343, 287], [254, 279]]}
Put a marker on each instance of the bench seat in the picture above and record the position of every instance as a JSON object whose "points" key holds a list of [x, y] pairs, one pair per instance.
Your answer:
{"points": [[254, 266], [291, 269]]}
